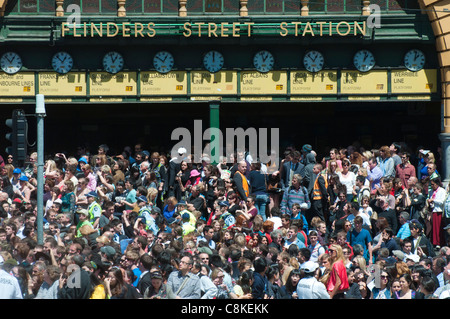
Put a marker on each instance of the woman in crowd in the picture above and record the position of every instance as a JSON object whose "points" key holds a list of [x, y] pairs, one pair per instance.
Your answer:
{"points": [[338, 281]]}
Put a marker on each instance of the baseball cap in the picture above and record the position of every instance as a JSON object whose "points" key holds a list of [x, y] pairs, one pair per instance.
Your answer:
{"points": [[83, 212], [309, 266], [108, 250], [224, 203], [17, 171], [91, 194], [23, 178], [142, 198]]}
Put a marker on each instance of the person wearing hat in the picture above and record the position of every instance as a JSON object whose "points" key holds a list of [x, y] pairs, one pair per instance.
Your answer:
{"points": [[309, 287], [193, 180], [145, 211], [83, 217], [15, 178], [186, 225], [94, 209], [23, 191], [223, 214]]}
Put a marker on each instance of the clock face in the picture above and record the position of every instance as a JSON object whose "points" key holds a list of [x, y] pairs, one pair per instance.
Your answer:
{"points": [[213, 61], [263, 61], [414, 60], [62, 62], [364, 60], [313, 61], [113, 62], [163, 62], [11, 62]]}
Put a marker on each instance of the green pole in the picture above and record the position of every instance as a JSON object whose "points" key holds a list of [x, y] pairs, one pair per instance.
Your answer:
{"points": [[214, 123]]}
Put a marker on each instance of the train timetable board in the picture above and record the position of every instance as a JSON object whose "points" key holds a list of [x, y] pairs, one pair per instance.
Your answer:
{"points": [[405, 81], [70, 84], [306, 83], [355, 82], [155, 83], [106, 84], [219, 83], [18, 85], [270, 83]]}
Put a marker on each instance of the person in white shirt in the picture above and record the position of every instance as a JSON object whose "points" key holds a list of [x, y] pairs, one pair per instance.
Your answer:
{"points": [[309, 287], [9, 286]]}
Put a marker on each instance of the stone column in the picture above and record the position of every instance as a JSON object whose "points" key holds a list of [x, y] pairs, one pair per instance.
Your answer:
{"points": [[243, 11], [365, 8], [304, 11], [121, 11], [182, 11], [59, 12]]}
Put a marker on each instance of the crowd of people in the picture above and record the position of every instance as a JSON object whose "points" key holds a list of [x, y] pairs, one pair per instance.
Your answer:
{"points": [[354, 224]]}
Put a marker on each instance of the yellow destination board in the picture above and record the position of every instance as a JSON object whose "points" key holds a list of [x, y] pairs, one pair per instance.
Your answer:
{"points": [[270, 83], [55, 84], [373, 82], [106, 84], [304, 82], [219, 83], [17, 85], [155, 83], [423, 81]]}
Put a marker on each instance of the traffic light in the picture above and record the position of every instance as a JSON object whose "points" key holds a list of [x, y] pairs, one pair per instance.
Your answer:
{"points": [[18, 136]]}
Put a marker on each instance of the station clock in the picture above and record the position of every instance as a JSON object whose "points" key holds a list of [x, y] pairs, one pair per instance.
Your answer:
{"points": [[163, 62], [263, 61], [213, 61], [313, 61], [11, 62], [113, 62], [364, 60], [414, 60], [62, 62]]}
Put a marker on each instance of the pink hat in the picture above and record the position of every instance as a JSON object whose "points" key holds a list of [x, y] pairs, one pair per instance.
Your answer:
{"points": [[194, 173]]}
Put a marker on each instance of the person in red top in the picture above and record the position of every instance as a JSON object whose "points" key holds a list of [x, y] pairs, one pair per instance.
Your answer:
{"points": [[405, 170], [337, 283]]}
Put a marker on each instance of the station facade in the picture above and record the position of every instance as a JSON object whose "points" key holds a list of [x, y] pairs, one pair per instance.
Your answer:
{"points": [[325, 72]]}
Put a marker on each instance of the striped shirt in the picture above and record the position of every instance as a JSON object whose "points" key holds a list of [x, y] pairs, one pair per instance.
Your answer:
{"points": [[291, 196]]}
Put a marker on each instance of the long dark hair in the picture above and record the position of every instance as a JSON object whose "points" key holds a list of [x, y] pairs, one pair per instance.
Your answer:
{"points": [[290, 288]]}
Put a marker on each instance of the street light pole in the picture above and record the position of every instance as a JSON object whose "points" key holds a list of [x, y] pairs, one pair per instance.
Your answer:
{"points": [[40, 114]]}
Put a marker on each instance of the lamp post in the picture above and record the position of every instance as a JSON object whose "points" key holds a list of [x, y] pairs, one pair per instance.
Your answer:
{"points": [[40, 114]]}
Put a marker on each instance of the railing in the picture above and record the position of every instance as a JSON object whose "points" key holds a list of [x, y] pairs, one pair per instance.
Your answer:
{"points": [[185, 8]]}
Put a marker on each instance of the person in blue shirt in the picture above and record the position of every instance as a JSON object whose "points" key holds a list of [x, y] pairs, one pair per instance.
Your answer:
{"points": [[292, 239], [296, 214], [360, 235], [404, 231]]}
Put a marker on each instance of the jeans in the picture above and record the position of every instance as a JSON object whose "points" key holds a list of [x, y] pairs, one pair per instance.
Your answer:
{"points": [[261, 202]]}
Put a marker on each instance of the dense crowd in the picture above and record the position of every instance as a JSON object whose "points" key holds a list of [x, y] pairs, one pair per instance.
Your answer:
{"points": [[354, 224]]}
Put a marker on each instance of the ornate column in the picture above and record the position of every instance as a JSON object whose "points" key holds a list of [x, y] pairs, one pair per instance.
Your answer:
{"points": [[304, 11], [182, 11], [365, 8], [121, 11], [243, 11], [59, 12]]}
